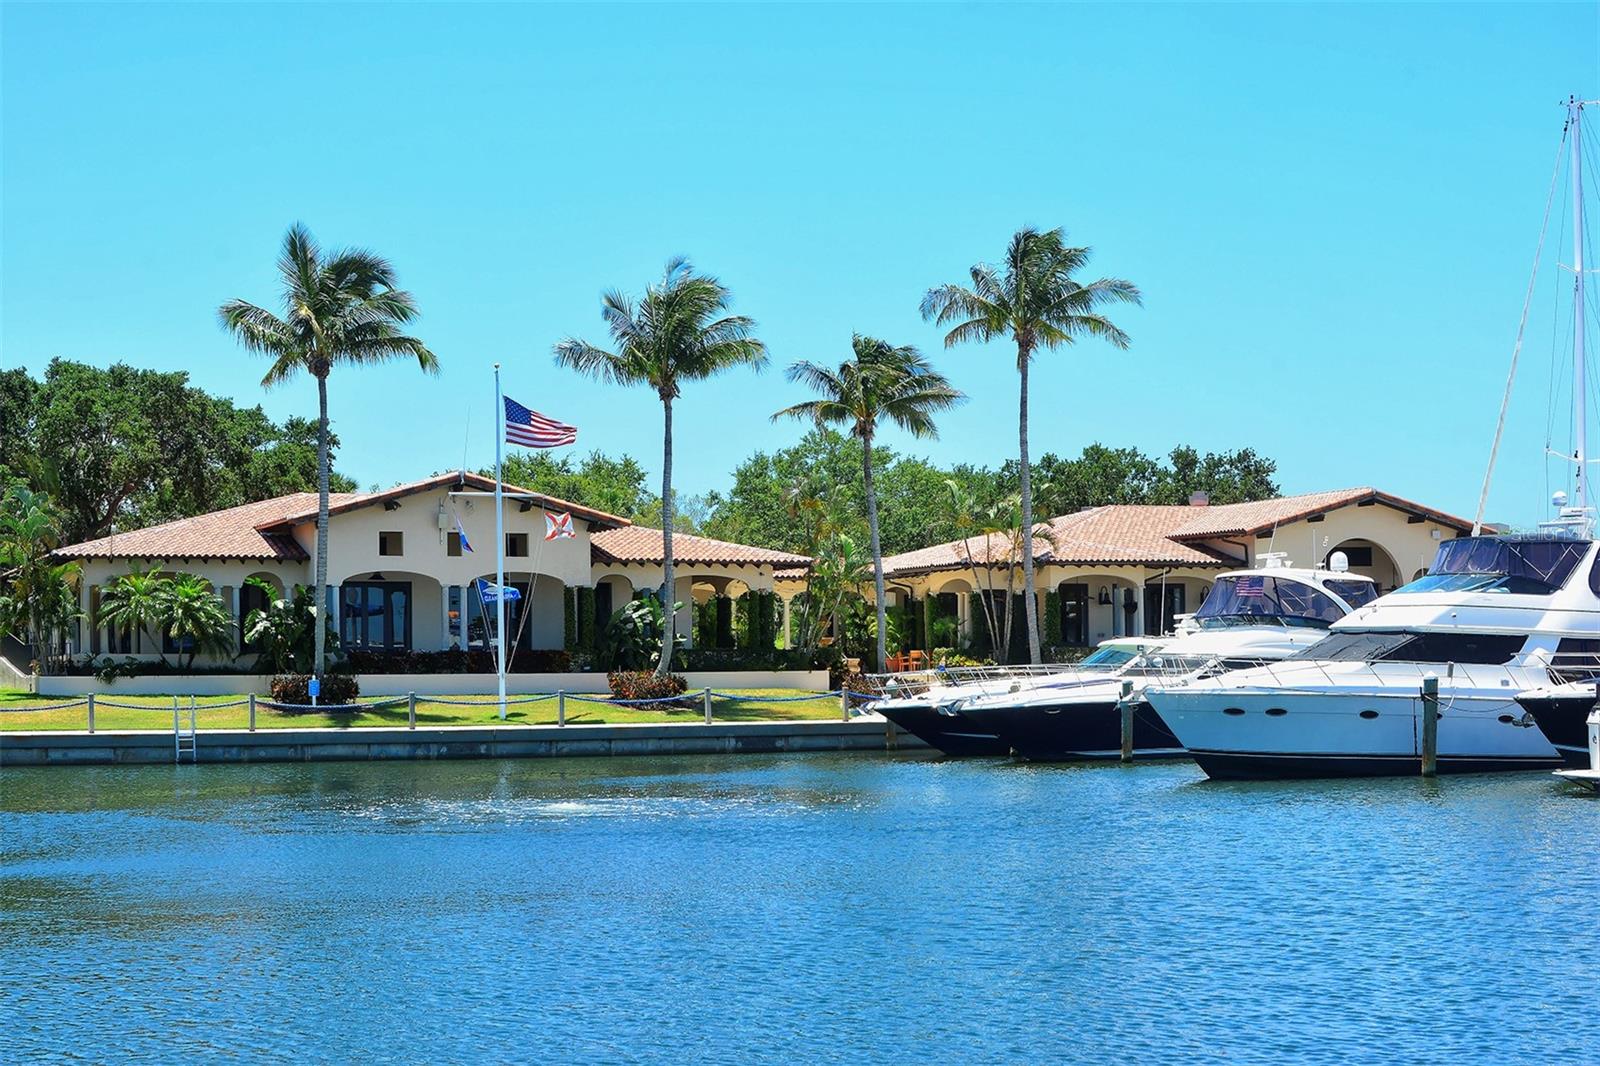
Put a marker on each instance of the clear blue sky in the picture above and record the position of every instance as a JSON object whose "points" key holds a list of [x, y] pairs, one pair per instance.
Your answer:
{"points": [[1331, 210]]}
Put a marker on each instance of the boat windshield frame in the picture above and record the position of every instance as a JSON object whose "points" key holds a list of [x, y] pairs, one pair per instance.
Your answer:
{"points": [[1533, 565], [1307, 606]]}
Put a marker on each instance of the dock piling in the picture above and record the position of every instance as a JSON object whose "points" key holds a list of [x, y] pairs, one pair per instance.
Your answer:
{"points": [[411, 710], [1125, 708], [1430, 725], [252, 712], [561, 707], [705, 698], [91, 712]]}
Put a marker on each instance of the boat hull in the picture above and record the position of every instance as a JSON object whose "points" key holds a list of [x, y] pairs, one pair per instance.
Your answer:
{"points": [[950, 732], [1240, 733], [1564, 721], [1072, 731]]}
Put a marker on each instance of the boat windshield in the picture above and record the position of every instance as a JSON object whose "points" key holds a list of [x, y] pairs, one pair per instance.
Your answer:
{"points": [[1170, 665], [1108, 658], [1403, 647], [1526, 565], [1256, 599], [1354, 593]]}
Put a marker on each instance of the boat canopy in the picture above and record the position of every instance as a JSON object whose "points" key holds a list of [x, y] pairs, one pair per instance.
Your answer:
{"points": [[1508, 564], [1257, 599]]}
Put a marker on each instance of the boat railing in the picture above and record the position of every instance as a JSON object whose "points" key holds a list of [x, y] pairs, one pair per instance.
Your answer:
{"points": [[1568, 667], [917, 682]]}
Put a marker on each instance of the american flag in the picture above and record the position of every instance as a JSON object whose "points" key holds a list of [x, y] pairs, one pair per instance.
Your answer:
{"points": [[1250, 586], [534, 430]]}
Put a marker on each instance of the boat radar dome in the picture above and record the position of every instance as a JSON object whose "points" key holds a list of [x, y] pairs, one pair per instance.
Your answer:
{"points": [[1339, 562], [1558, 499]]}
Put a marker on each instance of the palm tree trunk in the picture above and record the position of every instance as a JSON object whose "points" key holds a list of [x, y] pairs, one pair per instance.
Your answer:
{"points": [[320, 634], [877, 552], [670, 617], [1030, 607]]}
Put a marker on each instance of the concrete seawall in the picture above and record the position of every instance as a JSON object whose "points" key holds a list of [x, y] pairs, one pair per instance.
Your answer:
{"points": [[446, 742]]}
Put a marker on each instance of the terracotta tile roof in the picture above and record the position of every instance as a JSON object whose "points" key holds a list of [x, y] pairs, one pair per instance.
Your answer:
{"points": [[641, 544], [1245, 519], [261, 530], [1135, 535], [474, 481], [233, 533]]}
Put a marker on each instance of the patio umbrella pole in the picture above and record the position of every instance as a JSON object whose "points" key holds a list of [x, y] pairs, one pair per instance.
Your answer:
{"points": [[499, 548]]}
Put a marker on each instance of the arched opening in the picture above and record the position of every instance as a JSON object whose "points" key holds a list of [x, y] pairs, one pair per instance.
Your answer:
{"points": [[253, 598], [1369, 559], [611, 594]]}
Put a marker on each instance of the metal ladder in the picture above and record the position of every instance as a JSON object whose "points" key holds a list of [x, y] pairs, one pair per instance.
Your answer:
{"points": [[183, 733]]}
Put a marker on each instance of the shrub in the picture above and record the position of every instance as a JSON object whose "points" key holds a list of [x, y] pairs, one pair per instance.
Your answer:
{"points": [[296, 689], [629, 685], [456, 661]]}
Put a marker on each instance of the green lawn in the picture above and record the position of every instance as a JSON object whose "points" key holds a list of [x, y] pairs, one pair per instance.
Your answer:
{"points": [[155, 712]]}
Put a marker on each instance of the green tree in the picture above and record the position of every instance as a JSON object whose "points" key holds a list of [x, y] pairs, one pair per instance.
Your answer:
{"points": [[616, 486], [879, 382], [18, 391], [1226, 477], [195, 619], [286, 461], [784, 499], [137, 602], [284, 629], [680, 331], [1034, 299], [339, 308], [38, 595]]}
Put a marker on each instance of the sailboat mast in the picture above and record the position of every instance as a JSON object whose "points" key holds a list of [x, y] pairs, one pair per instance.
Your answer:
{"points": [[1579, 382]]}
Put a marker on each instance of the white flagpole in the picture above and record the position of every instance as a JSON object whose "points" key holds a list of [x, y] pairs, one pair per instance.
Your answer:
{"points": [[499, 541]]}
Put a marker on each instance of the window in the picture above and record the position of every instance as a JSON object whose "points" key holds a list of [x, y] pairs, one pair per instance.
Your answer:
{"points": [[1356, 555], [251, 599], [517, 545], [375, 615], [1074, 605], [452, 545], [1466, 648], [391, 543]]}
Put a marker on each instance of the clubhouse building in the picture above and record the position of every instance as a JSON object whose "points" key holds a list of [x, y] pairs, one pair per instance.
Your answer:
{"points": [[407, 566]]}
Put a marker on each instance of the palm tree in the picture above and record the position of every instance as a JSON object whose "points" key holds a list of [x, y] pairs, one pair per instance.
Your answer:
{"points": [[880, 382], [137, 602], [678, 332], [341, 307], [195, 618], [38, 596], [1034, 299]]}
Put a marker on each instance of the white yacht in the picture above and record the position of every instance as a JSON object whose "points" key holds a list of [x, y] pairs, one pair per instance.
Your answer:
{"points": [[1487, 620], [926, 704], [1248, 617], [1563, 711]]}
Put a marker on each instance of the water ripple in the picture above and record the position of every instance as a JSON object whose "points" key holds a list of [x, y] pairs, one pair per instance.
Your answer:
{"points": [[816, 908]]}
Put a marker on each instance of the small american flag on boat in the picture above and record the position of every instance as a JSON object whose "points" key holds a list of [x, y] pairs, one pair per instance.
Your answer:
{"points": [[533, 430], [1250, 586]]}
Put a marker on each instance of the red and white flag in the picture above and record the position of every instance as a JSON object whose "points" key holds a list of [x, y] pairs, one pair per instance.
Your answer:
{"points": [[558, 526], [533, 430]]}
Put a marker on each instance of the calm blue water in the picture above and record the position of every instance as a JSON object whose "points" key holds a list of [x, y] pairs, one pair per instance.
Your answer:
{"points": [[834, 908]]}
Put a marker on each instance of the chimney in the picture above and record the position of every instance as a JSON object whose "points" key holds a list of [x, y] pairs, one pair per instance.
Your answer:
{"points": [[1199, 498]]}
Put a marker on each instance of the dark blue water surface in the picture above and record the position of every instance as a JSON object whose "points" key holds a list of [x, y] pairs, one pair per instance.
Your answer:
{"points": [[836, 908]]}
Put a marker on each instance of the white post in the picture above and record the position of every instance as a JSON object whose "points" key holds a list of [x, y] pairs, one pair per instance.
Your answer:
{"points": [[1579, 388], [706, 696], [788, 642], [499, 543]]}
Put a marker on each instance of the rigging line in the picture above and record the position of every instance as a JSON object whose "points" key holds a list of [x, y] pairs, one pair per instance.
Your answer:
{"points": [[1500, 424]]}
